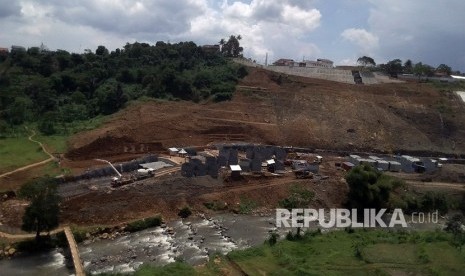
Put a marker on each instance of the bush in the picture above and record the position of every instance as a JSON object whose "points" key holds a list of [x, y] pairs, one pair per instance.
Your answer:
{"points": [[216, 205], [222, 97], [246, 205], [185, 212], [79, 234], [273, 238], [142, 224]]}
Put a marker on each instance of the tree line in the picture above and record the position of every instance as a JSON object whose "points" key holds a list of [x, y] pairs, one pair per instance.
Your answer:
{"points": [[54, 88], [396, 66]]}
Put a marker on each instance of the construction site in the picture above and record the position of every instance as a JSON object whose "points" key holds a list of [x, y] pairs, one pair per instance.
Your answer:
{"points": [[326, 118], [279, 130]]}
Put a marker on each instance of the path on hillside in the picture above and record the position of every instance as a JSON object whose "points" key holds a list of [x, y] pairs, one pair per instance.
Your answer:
{"points": [[238, 121], [27, 236], [454, 186], [51, 157]]}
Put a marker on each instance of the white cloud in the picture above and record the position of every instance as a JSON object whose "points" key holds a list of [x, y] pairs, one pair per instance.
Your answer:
{"points": [[272, 27], [365, 40], [308, 20]]}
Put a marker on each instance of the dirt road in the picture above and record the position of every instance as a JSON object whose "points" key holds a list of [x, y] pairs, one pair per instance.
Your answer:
{"points": [[442, 185], [52, 158]]}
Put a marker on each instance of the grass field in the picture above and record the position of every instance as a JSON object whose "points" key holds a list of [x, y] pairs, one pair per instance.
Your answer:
{"points": [[18, 152], [360, 253]]}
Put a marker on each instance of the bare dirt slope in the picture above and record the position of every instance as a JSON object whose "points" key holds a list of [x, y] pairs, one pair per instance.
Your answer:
{"points": [[268, 108]]}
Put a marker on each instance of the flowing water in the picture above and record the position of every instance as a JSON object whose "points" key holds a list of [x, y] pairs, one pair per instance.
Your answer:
{"points": [[192, 240]]}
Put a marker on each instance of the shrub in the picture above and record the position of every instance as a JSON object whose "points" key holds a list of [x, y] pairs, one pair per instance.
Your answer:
{"points": [[185, 212], [222, 97], [273, 238], [142, 224]]}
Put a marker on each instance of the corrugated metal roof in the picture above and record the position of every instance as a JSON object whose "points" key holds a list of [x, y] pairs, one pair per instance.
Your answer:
{"points": [[173, 149], [182, 151]]}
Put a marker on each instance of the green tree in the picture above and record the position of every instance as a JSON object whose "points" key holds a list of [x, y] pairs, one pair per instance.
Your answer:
{"points": [[111, 98], [19, 111], [462, 204], [408, 67], [422, 70], [42, 214], [101, 51], [443, 68], [368, 188], [299, 197], [366, 61], [232, 47], [455, 226], [47, 127], [394, 67]]}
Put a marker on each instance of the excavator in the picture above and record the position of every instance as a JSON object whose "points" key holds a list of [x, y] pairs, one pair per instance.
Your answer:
{"points": [[121, 180]]}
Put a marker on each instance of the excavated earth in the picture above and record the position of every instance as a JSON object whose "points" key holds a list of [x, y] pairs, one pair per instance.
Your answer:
{"points": [[272, 109], [267, 108]]}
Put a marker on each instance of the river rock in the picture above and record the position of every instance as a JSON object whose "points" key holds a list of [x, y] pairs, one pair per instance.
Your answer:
{"points": [[11, 251], [105, 236]]}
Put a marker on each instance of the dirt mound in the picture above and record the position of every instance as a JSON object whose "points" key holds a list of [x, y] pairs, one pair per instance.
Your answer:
{"points": [[278, 109], [111, 146]]}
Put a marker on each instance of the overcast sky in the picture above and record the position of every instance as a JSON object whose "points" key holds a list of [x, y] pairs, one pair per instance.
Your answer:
{"points": [[430, 31]]}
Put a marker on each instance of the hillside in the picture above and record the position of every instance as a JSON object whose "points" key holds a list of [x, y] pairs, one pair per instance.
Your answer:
{"points": [[273, 109]]}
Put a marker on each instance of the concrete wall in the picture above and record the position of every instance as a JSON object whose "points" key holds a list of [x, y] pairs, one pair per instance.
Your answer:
{"points": [[338, 75], [331, 74]]}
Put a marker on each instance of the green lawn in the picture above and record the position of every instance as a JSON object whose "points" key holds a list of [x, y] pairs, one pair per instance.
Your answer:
{"points": [[18, 152], [54, 143], [334, 253]]}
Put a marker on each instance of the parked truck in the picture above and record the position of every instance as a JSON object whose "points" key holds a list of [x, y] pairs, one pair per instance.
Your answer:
{"points": [[118, 180]]}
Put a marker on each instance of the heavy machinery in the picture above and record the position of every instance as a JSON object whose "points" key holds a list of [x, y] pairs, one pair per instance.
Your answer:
{"points": [[120, 179], [144, 173]]}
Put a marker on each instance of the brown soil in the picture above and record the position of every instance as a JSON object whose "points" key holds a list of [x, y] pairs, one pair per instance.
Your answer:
{"points": [[265, 109], [167, 195], [299, 112]]}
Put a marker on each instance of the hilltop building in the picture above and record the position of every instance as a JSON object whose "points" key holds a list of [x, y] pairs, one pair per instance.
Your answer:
{"points": [[319, 63]]}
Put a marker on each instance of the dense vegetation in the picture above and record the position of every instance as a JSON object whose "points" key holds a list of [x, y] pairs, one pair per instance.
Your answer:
{"points": [[56, 88], [395, 67], [370, 188]]}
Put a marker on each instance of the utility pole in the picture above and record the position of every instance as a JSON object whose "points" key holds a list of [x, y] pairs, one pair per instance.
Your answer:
{"points": [[266, 59]]}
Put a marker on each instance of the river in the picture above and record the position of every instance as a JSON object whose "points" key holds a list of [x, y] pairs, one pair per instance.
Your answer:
{"points": [[192, 240]]}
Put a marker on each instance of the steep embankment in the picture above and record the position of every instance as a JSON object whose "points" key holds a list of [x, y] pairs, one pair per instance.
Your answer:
{"points": [[269, 108]]}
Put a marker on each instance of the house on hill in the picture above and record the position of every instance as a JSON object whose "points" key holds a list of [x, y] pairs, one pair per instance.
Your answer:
{"points": [[15, 48], [284, 62], [211, 49], [319, 63]]}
